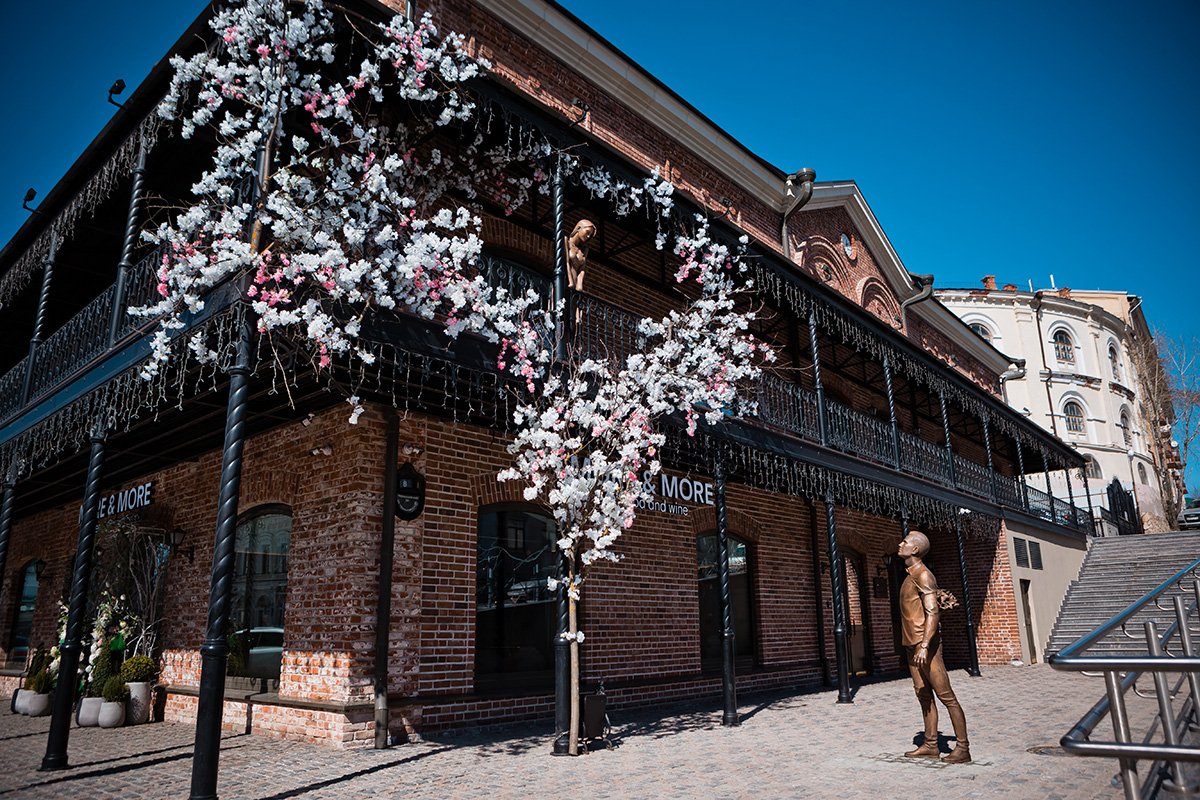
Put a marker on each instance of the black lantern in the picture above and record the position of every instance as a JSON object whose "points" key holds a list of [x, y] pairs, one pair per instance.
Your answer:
{"points": [[410, 492], [177, 536], [39, 567]]}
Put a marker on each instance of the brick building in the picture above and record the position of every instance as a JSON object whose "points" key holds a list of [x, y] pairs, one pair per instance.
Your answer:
{"points": [[885, 410]]}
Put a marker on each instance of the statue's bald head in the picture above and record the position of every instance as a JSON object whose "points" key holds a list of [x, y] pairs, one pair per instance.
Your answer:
{"points": [[920, 541]]}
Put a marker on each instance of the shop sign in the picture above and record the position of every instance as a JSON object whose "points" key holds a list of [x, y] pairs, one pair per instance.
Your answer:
{"points": [[124, 500], [673, 488]]}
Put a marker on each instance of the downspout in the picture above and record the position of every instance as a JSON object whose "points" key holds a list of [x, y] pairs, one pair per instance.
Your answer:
{"points": [[383, 613], [925, 284], [1037, 315], [805, 178], [1015, 371]]}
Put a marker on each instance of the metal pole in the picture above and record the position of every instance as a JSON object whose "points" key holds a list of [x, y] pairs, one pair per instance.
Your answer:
{"points": [[40, 320], [1120, 720], [6, 514], [728, 649], [972, 649], [987, 444], [1071, 499], [1166, 714], [560, 267], [1091, 511], [891, 398], [1189, 650], [1021, 469], [214, 653], [837, 582], [383, 615], [1049, 489], [127, 247], [818, 594], [946, 434], [68, 665], [822, 414]]}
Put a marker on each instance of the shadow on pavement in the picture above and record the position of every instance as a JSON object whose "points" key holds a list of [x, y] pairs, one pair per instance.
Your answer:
{"points": [[312, 787]]}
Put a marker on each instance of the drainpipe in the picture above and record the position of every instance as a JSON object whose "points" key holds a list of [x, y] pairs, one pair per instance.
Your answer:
{"points": [[1015, 371], [383, 616], [925, 284], [805, 178], [1037, 315]]}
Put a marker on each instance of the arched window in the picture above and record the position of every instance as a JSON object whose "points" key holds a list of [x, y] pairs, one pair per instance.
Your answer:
{"points": [[1142, 474], [1126, 430], [740, 583], [1073, 413], [18, 646], [981, 331], [1093, 468], [1114, 362], [260, 577], [515, 617], [1064, 348]]}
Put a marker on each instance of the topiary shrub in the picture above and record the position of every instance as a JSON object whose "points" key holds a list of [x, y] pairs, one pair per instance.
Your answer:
{"points": [[101, 672], [43, 682], [41, 659], [139, 669], [115, 690]]}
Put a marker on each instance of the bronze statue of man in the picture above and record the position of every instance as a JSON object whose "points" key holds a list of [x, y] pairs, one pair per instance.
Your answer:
{"points": [[919, 616]]}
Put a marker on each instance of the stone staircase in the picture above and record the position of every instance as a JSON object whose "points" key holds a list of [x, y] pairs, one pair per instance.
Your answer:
{"points": [[1117, 572]]}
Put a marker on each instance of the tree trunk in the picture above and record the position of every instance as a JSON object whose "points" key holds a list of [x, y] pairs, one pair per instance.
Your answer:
{"points": [[573, 736]]}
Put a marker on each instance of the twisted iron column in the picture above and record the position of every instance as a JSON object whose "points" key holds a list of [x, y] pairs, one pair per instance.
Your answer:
{"points": [[891, 398], [6, 513], [837, 583], [728, 635], [214, 653], [1021, 469], [562, 648], [39, 320], [68, 665], [387, 561], [972, 650], [1083, 476], [1049, 488], [987, 446], [822, 414], [946, 434], [127, 247]]}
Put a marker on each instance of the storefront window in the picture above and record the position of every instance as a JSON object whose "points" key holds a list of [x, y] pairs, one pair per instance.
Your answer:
{"points": [[260, 576], [515, 609], [710, 599], [18, 648]]}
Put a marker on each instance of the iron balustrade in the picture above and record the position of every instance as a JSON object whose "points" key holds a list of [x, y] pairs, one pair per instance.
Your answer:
{"points": [[854, 432], [971, 477], [10, 389], [84, 337], [514, 278], [1008, 489], [602, 331], [923, 458], [1039, 503], [1174, 652], [141, 289], [789, 406]]}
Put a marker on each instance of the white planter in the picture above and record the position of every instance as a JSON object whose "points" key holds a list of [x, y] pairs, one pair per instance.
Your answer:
{"points": [[12, 704], [21, 704], [88, 715], [137, 707], [112, 715], [38, 705]]}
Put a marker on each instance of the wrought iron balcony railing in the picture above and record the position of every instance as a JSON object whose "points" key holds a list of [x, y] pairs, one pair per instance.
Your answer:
{"points": [[853, 432], [789, 406], [923, 458], [971, 477]]}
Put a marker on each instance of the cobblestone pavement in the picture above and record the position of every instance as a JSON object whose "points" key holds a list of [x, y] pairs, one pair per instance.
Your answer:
{"points": [[788, 746]]}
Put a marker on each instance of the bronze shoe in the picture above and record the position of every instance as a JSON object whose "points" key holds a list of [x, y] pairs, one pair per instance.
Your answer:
{"points": [[928, 750], [961, 754]]}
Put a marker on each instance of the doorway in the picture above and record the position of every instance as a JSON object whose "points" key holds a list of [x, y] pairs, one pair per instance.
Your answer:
{"points": [[858, 616], [1027, 607]]}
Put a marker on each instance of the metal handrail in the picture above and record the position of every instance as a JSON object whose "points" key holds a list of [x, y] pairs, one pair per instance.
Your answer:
{"points": [[1158, 662]]}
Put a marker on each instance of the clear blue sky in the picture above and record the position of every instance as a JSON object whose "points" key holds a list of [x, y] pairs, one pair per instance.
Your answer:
{"points": [[1017, 139]]}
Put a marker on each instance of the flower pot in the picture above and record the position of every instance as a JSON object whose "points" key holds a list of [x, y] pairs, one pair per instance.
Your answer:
{"points": [[21, 704], [112, 715], [88, 713], [12, 704], [137, 707], [38, 705]]}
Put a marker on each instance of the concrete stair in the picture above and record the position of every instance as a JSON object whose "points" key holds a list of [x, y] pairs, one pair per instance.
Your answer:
{"points": [[1116, 572]]}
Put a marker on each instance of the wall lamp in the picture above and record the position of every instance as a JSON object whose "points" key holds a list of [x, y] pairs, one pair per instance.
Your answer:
{"points": [[39, 567], [32, 193], [117, 88], [584, 110], [177, 536]]}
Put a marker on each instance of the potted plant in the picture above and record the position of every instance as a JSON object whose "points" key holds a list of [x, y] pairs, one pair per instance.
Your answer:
{"points": [[87, 715], [39, 702], [37, 665], [112, 710], [139, 673]]}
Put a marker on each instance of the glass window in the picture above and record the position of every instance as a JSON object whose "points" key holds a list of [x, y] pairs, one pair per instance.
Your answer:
{"points": [[1126, 431], [260, 577], [1093, 468], [515, 609], [18, 648], [1064, 349], [1142, 474], [1114, 362], [1074, 416], [711, 625], [981, 331]]}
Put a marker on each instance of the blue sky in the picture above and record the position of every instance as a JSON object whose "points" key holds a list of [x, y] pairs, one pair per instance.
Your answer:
{"points": [[1017, 139]]}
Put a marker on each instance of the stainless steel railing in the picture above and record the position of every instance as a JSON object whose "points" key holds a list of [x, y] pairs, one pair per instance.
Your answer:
{"points": [[1176, 725]]}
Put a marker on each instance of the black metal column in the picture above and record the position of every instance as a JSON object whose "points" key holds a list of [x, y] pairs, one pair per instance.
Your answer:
{"points": [[68, 665], [1088, 491], [6, 513], [1049, 488], [39, 321], [946, 434], [1071, 498], [127, 247], [972, 648], [822, 414], [1021, 470], [214, 653], [891, 398], [562, 647], [837, 583], [728, 636], [387, 553], [987, 444]]}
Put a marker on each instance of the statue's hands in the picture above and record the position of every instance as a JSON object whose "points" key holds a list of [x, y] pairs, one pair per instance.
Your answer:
{"points": [[921, 657]]}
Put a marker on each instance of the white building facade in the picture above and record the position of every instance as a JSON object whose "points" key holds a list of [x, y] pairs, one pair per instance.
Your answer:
{"points": [[1079, 382]]}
